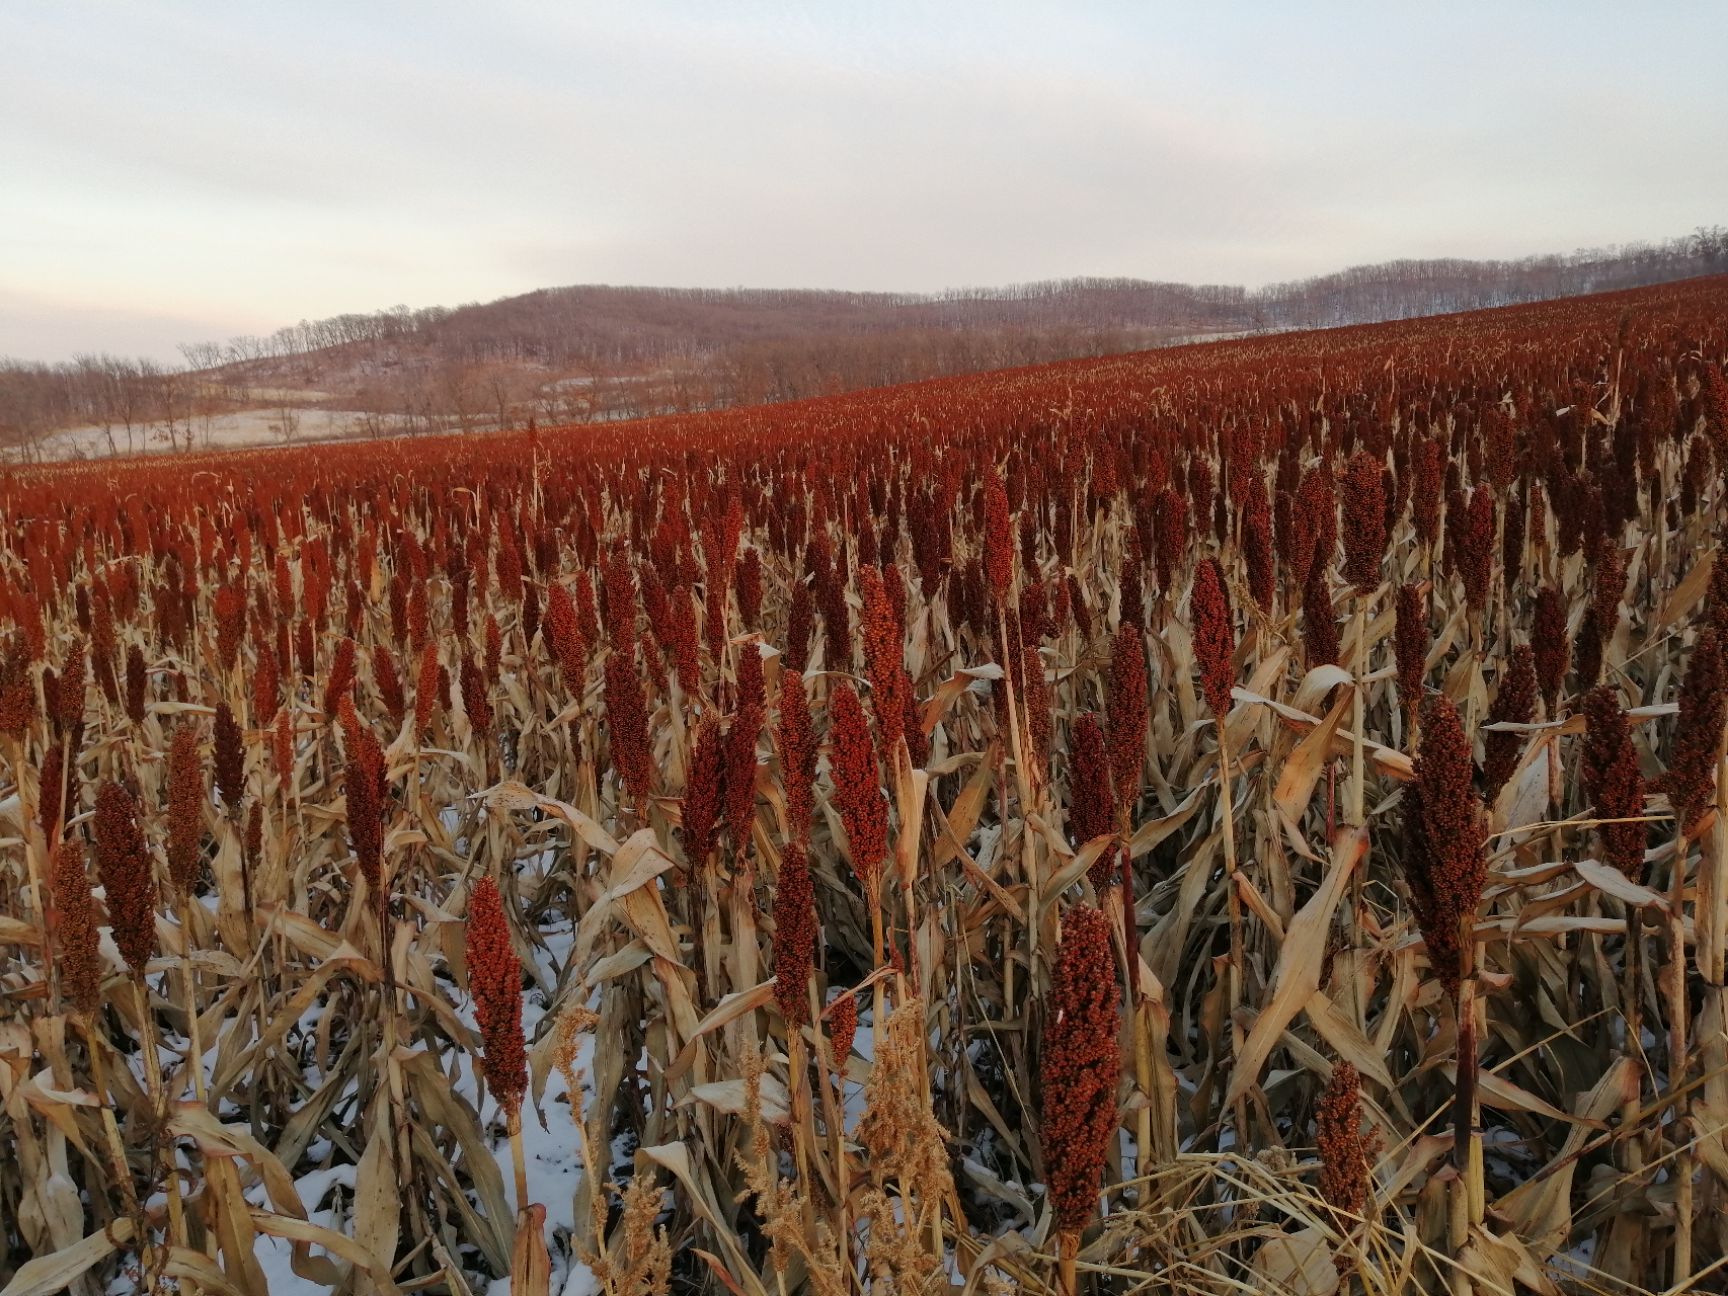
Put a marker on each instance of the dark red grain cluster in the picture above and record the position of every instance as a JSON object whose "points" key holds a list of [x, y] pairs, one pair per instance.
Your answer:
{"points": [[78, 955], [794, 934], [857, 784], [128, 880], [1126, 713], [1079, 1065], [1514, 703], [495, 981], [186, 801], [1691, 779], [1214, 637], [1445, 865], [1609, 773]]}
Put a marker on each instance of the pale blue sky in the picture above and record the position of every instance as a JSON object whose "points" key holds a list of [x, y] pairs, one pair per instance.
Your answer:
{"points": [[174, 172]]}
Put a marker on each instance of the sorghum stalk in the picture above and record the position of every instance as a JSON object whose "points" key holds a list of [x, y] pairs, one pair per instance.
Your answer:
{"points": [[1446, 869]]}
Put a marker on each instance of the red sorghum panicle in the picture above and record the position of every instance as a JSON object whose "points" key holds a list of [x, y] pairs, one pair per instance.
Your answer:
{"points": [[797, 753], [1552, 647], [495, 981], [136, 678], [1716, 604], [230, 624], [1476, 547], [794, 935], [1091, 796], [1713, 403], [1364, 521], [1079, 1066], [1127, 712], [17, 697], [475, 704], [563, 638], [704, 792], [842, 1026], [1319, 622], [426, 689], [587, 614], [1444, 862], [618, 599], [998, 538], [627, 722], [494, 638], [857, 783], [388, 682], [882, 658], [1343, 1154], [1610, 777], [1512, 546], [77, 953], [1410, 646], [123, 864], [267, 686], [1170, 526], [1610, 584], [1214, 637], [282, 744], [1691, 779], [1426, 489], [1514, 703], [341, 677], [103, 646], [186, 800], [70, 686], [305, 646], [50, 806], [749, 587], [230, 759]]}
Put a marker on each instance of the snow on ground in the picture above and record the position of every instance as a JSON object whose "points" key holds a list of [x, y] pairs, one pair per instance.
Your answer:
{"points": [[252, 427]]}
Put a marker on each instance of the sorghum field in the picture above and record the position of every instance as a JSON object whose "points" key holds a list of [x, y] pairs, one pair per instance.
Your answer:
{"points": [[1230, 819]]}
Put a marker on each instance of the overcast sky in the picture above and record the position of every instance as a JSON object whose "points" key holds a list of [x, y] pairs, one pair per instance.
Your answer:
{"points": [[175, 172]]}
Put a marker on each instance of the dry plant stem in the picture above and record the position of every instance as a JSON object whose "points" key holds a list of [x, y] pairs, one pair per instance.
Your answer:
{"points": [[833, 1107], [1679, 1064], [1226, 812], [1631, 1010], [159, 1109], [1466, 1190], [1023, 791], [1358, 776], [111, 1125], [189, 987], [518, 1160], [803, 1122], [1358, 795], [1067, 1271]]}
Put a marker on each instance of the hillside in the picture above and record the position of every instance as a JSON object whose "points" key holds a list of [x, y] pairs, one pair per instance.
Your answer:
{"points": [[592, 353]]}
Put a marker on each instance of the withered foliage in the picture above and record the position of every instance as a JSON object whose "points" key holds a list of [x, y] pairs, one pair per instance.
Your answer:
{"points": [[718, 783]]}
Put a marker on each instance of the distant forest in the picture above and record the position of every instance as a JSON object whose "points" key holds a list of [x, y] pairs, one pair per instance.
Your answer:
{"points": [[594, 352]]}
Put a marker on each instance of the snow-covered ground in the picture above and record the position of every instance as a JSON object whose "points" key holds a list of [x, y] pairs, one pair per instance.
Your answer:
{"points": [[253, 427]]}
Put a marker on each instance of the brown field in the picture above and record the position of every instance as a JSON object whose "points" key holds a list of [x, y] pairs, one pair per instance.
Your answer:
{"points": [[1235, 818]]}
